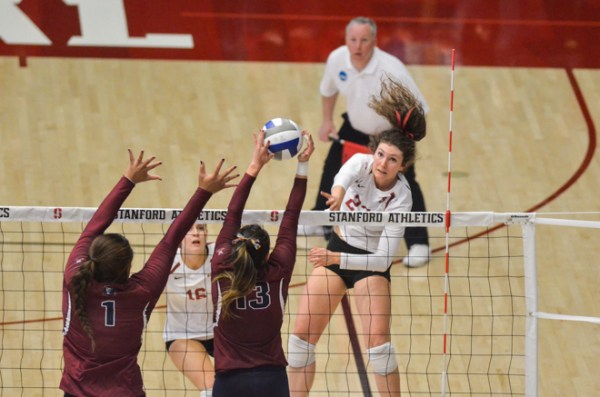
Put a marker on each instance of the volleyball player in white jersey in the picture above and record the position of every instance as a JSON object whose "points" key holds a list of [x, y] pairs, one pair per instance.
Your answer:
{"points": [[188, 331], [355, 72], [359, 256]]}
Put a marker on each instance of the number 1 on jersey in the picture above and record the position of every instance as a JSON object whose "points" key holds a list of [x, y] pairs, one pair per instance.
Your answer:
{"points": [[109, 313]]}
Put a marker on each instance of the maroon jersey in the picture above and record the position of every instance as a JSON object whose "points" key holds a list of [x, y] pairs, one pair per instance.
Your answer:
{"points": [[117, 313], [252, 336]]}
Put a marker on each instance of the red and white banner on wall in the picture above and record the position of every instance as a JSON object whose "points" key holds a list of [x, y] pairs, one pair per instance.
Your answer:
{"points": [[103, 23], [239, 30]]}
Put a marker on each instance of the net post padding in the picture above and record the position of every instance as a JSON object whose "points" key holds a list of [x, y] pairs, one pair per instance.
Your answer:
{"points": [[531, 304]]}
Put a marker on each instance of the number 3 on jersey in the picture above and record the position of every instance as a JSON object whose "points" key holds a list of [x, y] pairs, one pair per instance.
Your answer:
{"points": [[262, 299]]}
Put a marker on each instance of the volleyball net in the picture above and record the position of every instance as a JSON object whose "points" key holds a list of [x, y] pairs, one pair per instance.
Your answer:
{"points": [[483, 343]]}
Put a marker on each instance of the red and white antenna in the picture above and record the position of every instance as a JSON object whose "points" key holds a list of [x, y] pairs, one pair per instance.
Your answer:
{"points": [[448, 214]]}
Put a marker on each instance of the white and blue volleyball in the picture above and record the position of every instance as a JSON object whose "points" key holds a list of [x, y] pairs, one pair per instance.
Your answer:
{"points": [[285, 138]]}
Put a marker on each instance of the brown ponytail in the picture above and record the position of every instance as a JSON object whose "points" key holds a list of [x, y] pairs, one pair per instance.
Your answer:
{"points": [[80, 282], [401, 108], [248, 254]]}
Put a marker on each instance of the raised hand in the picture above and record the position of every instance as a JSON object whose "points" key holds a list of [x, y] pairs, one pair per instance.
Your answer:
{"points": [[305, 154], [260, 154], [216, 181], [138, 169]]}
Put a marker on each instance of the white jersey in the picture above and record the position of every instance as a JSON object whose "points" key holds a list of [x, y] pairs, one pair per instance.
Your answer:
{"points": [[358, 87], [356, 177], [189, 301]]}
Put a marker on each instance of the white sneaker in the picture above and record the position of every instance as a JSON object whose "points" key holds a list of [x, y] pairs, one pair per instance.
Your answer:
{"points": [[311, 230], [418, 256]]}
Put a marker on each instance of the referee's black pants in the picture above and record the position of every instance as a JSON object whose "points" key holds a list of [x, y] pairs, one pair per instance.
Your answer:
{"points": [[333, 163]]}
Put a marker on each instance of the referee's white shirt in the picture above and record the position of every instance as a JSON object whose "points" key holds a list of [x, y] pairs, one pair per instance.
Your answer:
{"points": [[358, 87]]}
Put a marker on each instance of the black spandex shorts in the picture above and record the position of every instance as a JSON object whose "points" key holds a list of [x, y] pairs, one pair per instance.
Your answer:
{"points": [[209, 345], [252, 382], [350, 277]]}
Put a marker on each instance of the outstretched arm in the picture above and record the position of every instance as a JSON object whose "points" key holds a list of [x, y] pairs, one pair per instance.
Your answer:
{"points": [[157, 268], [233, 220], [285, 247], [260, 155], [137, 171]]}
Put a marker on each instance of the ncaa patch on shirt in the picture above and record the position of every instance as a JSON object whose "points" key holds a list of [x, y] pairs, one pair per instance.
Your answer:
{"points": [[343, 75]]}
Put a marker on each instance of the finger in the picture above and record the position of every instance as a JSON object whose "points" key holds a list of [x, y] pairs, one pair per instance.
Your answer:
{"points": [[226, 180], [154, 178], [202, 168], [146, 163], [131, 158], [326, 195], [218, 168], [259, 138], [230, 170], [141, 156], [153, 166]]}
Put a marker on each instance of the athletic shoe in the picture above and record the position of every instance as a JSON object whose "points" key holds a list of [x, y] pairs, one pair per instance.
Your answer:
{"points": [[418, 255]]}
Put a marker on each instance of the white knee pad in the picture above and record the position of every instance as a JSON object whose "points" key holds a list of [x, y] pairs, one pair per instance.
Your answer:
{"points": [[383, 358], [300, 353]]}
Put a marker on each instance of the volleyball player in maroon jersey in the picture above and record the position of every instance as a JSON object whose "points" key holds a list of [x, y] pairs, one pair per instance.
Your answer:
{"points": [[251, 287], [105, 310]]}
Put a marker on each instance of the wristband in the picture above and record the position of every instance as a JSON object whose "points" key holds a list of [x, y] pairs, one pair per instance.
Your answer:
{"points": [[302, 169]]}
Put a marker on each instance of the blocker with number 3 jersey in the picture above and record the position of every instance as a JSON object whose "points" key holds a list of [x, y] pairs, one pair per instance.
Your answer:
{"points": [[251, 337]]}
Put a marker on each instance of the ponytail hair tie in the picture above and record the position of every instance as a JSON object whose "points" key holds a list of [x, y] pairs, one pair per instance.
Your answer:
{"points": [[254, 241], [398, 118], [402, 122], [406, 117]]}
